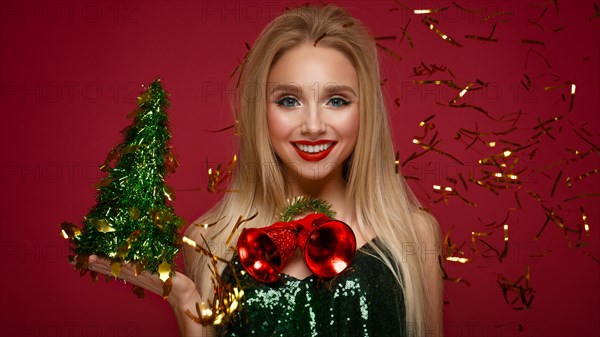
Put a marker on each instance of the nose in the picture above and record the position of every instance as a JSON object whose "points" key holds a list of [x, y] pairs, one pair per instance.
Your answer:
{"points": [[313, 123]]}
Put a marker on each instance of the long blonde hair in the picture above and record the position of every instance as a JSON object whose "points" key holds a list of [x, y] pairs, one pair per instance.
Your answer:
{"points": [[380, 198]]}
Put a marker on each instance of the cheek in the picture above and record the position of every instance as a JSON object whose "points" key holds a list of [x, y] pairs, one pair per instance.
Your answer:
{"points": [[280, 125], [280, 129], [349, 127]]}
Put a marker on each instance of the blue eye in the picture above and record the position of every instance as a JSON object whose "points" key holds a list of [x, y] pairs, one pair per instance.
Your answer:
{"points": [[288, 102], [338, 102]]}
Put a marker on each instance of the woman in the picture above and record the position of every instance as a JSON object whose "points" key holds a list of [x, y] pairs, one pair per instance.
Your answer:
{"points": [[312, 121]]}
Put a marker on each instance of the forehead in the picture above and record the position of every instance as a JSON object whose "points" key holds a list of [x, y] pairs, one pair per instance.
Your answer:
{"points": [[306, 64]]}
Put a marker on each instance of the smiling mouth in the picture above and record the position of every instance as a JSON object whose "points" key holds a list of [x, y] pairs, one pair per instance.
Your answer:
{"points": [[313, 148], [313, 151]]}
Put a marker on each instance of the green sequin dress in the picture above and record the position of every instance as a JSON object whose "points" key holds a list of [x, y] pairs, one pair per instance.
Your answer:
{"points": [[363, 301]]}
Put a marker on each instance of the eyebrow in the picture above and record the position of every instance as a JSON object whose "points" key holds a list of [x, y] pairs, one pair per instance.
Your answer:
{"points": [[333, 88], [285, 87], [328, 89]]}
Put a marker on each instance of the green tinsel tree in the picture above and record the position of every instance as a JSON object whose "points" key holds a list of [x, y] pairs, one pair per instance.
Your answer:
{"points": [[133, 220]]}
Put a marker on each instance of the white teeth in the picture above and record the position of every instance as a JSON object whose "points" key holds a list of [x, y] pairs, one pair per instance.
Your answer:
{"points": [[313, 148]]}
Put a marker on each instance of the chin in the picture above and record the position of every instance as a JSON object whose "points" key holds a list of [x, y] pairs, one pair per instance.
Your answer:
{"points": [[320, 171]]}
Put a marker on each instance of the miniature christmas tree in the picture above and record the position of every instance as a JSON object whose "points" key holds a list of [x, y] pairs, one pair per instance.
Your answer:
{"points": [[133, 220]]}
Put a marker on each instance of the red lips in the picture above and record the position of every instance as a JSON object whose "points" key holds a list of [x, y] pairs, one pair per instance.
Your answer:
{"points": [[315, 156]]}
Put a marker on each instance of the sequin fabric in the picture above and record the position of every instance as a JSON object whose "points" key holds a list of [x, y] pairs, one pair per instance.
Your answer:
{"points": [[365, 300]]}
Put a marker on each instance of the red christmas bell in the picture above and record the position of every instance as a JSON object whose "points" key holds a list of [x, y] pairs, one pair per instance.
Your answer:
{"points": [[330, 248], [264, 251]]}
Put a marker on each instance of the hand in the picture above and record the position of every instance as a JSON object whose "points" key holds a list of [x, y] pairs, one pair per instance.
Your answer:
{"points": [[183, 296], [183, 288]]}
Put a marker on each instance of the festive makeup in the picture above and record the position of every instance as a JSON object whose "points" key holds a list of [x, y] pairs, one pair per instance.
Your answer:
{"points": [[312, 110]]}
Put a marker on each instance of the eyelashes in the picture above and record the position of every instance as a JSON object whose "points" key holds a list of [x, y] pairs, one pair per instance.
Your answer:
{"points": [[289, 101], [338, 102]]}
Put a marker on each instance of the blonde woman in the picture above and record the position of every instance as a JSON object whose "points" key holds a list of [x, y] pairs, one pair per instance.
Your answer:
{"points": [[312, 122]]}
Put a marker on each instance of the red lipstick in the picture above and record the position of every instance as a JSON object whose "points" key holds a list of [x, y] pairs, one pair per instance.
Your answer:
{"points": [[315, 156]]}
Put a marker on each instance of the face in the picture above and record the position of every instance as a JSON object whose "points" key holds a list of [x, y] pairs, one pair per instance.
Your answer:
{"points": [[312, 111]]}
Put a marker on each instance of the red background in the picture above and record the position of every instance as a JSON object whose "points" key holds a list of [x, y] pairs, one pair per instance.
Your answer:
{"points": [[70, 72]]}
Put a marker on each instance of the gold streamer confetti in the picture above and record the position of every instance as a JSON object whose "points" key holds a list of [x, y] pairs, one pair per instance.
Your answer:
{"points": [[405, 34], [237, 225], [448, 278], [429, 11], [389, 51], [523, 293], [429, 23], [225, 297], [538, 42], [218, 177], [454, 253], [586, 225], [482, 38], [531, 50]]}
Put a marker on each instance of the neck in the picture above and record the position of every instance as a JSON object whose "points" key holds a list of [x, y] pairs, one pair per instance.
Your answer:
{"points": [[331, 188]]}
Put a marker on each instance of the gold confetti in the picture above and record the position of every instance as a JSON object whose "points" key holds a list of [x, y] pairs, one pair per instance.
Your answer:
{"points": [[169, 193], [206, 225], [461, 93], [538, 42], [104, 182], [587, 141], [221, 129], [110, 157], [102, 225], [537, 20], [570, 181], [405, 34], [171, 162], [389, 51], [218, 177], [586, 225], [448, 278], [69, 230], [167, 286], [164, 271], [556, 183], [481, 38], [237, 225], [440, 188], [494, 15], [115, 268], [429, 23], [531, 50], [579, 196], [128, 149], [429, 11], [523, 293], [226, 298], [139, 268]]}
